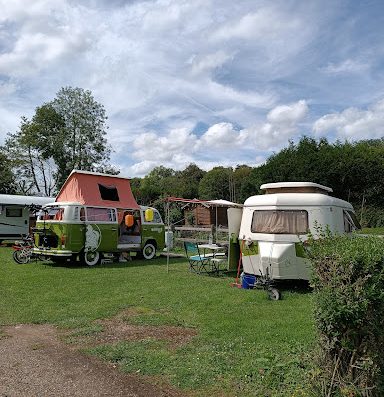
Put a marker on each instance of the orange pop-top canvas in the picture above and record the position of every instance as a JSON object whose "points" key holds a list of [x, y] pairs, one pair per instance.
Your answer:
{"points": [[84, 188]]}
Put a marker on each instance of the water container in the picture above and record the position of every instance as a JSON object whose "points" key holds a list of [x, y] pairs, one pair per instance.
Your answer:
{"points": [[248, 281], [169, 239]]}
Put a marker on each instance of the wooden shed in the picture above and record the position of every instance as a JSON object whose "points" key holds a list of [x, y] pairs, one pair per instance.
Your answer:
{"points": [[207, 213]]}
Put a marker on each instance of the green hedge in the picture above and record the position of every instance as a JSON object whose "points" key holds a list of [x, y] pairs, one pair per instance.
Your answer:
{"points": [[348, 282]]}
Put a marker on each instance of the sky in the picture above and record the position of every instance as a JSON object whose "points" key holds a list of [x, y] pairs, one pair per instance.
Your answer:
{"points": [[210, 82]]}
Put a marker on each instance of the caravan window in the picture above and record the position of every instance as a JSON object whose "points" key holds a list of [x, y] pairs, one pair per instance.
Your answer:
{"points": [[280, 222], [350, 221], [96, 214], [13, 212]]}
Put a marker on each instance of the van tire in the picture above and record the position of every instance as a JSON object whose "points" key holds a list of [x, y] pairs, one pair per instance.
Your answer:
{"points": [[149, 251], [90, 258]]}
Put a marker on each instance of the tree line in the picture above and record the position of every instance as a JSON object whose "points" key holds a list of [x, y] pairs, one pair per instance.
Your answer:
{"points": [[70, 133], [354, 170]]}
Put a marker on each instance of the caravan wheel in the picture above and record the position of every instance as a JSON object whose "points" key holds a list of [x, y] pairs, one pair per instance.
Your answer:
{"points": [[274, 294], [91, 258]]}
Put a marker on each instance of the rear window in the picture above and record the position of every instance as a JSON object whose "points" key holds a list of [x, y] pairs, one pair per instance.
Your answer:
{"points": [[51, 214], [280, 222]]}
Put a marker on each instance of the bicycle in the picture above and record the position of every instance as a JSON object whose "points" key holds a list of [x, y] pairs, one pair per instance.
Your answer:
{"points": [[23, 250]]}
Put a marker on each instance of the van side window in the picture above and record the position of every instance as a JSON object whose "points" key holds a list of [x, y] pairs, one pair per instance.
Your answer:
{"points": [[96, 214], [280, 222]]}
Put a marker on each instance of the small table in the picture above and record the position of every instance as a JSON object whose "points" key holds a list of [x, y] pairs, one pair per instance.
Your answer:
{"points": [[217, 256]]}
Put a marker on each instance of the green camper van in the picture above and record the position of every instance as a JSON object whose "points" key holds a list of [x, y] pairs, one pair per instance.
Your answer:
{"points": [[95, 217]]}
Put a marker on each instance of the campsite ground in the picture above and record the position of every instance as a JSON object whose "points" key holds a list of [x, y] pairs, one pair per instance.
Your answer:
{"points": [[133, 329]]}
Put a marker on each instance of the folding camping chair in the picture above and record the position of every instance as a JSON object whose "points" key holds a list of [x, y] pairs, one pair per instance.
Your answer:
{"points": [[197, 263]]}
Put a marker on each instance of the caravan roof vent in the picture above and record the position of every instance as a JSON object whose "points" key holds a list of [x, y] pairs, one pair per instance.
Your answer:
{"points": [[295, 187], [109, 193]]}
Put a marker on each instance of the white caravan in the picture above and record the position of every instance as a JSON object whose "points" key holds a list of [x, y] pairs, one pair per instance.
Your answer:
{"points": [[15, 215], [274, 225]]}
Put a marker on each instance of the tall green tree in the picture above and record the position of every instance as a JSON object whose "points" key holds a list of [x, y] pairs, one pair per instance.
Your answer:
{"points": [[7, 179], [65, 134], [188, 181], [216, 184]]}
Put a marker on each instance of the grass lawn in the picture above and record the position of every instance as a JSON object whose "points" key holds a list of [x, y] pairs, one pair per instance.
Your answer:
{"points": [[372, 230], [246, 345]]}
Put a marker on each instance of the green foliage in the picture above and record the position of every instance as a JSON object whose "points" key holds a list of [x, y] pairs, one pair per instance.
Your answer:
{"points": [[371, 216], [215, 184], [65, 134], [7, 179], [348, 282], [353, 170]]}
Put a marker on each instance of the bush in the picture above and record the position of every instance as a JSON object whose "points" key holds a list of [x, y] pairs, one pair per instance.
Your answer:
{"points": [[371, 216], [348, 282]]}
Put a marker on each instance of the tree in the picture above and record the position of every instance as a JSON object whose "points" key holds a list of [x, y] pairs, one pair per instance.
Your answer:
{"points": [[65, 134], [158, 183], [188, 181], [215, 184], [28, 150], [85, 146], [7, 179]]}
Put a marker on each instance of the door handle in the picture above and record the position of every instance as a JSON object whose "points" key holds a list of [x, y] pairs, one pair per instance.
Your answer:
{"points": [[114, 230]]}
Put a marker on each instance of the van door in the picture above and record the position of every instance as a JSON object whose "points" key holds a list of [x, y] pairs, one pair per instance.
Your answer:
{"points": [[101, 229]]}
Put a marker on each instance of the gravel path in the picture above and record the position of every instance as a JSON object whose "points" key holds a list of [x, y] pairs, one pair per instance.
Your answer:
{"points": [[35, 362]]}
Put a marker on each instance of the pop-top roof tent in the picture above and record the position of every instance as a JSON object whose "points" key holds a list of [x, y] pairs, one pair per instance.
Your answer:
{"points": [[99, 190], [295, 187]]}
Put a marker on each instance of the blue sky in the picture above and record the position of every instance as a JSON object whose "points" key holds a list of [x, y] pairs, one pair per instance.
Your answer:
{"points": [[214, 82]]}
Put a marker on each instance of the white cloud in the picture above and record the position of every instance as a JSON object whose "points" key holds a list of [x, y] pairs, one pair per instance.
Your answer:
{"points": [[353, 123], [347, 66], [266, 23], [221, 135], [208, 62], [165, 68], [288, 115]]}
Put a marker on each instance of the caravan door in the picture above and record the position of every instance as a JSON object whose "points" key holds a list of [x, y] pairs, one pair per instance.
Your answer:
{"points": [[14, 221]]}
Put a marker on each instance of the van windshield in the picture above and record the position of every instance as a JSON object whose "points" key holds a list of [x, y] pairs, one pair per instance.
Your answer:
{"points": [[51, 214], [280, 222]]}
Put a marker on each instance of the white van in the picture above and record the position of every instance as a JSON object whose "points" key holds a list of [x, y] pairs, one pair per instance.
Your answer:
{"points": [[274, 225]]}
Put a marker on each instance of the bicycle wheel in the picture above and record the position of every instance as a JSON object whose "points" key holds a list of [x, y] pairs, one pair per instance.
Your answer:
{"points": [[21, 256]]}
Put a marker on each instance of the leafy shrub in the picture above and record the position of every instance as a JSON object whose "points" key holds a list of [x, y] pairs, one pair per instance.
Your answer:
{"points": [[348, 282], [371, 216]]}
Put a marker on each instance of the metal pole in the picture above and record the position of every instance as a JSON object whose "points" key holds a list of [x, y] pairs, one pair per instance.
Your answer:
{"points": [[216, 227], [167, 237]]}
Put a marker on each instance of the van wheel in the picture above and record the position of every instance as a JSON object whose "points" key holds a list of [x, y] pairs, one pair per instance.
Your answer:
{"points": [[91, 258], [149, 251]]}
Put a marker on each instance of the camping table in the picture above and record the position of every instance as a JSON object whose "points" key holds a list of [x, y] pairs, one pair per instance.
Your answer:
{"points": [[217, 255]]}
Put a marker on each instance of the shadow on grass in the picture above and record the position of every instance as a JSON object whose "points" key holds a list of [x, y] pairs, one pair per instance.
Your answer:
{"points": [[132, 263]]}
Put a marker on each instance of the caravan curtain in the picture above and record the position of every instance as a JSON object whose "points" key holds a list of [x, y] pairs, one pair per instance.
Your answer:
{"points": [[280, 222]]}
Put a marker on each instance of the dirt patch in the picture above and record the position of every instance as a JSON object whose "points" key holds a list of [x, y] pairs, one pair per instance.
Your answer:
{"points": [[34, 361], [117, 329]]}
